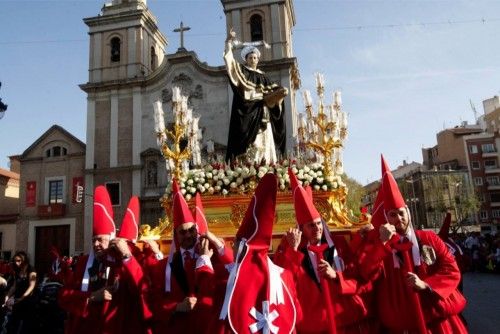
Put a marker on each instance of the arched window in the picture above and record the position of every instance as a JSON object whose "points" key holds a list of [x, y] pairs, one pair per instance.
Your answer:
{"points": [[154, 58], [56, 151], [152, 174], [115, 49], [256, 28]]}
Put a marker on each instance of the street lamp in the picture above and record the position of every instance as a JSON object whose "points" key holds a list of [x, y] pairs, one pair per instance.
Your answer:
{"points": [[454, 203], [3, 106]]}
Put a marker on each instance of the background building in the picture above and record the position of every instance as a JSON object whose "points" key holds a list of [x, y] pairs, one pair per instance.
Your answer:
{"points": [[9, 208], [51, 214]]}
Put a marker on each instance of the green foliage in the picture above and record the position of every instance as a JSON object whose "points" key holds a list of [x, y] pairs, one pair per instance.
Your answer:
{"points": [[354, 195]]}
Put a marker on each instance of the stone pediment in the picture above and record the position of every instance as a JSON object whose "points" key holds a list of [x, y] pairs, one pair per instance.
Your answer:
{"points": [[185, 59], [54, 136]]}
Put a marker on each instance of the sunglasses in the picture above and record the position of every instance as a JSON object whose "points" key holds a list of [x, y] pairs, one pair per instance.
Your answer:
{"points": [[190, 230]]}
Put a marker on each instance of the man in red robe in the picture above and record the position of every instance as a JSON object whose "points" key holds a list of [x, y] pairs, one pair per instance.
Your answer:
{"points": [[182, 284], [324, 272], [102, 293], [414, 274], [259, 296]]}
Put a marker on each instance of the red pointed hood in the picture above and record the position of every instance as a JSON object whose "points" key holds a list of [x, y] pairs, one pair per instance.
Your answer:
{"points": [[392, 196], [180, 209], [445, 228], [305, 211], [199, 215], [257, 225], [129, 229], [259, 293], [309, 191], [103, 213]]}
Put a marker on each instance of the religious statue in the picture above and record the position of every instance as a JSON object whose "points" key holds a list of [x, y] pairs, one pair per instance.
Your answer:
{"points": [[257, 127]]}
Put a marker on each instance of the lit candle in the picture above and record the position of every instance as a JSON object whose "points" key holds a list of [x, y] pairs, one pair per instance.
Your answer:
{"points": [[320, 80], [332, 114], [344, 120], [337, 99], [210, 146], [184, 103], [176, 94], [302, 121], [159, 117], [194, 124], [307, 98], [189, 117]]}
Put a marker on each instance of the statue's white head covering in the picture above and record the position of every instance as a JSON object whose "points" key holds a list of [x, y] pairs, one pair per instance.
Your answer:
{"points": [[249, 49]]}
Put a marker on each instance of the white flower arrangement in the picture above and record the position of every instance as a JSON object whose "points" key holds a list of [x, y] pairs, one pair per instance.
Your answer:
{"points": [[220, 179]]}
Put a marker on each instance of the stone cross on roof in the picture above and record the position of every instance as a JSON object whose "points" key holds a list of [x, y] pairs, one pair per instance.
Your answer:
{"points": [[181, 29]]}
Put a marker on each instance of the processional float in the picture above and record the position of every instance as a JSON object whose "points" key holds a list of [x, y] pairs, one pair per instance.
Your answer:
{"points": [[226, 189]]}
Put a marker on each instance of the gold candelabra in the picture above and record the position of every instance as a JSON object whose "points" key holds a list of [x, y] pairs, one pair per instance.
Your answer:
{"points": [[170, 141], [324, 133], [174, 152]]}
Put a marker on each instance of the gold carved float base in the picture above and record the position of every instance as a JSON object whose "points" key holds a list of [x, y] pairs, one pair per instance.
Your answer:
{"points": [[224, 215]]}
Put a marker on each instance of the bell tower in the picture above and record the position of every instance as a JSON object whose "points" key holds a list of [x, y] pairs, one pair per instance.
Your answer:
{"points": [[271, 21], [268, 20], [125, 42], [126, 50]]}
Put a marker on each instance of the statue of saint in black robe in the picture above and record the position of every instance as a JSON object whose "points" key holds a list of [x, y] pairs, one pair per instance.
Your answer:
{"points": [[257, 125]]}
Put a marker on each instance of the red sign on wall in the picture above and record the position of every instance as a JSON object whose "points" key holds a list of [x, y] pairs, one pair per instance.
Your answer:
{"points": [[78, 190], [30, 193]]}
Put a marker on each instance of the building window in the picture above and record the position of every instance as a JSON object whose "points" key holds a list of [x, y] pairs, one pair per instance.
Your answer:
{"points": [[256, 28], [56, 151], [493, 180], [114, 192], [483, 215], [56, 191], [154, 58], [495, 213], [473, 149], [495, 197], [490, 164], [488, 148], [478, 181], [152, 174], [115, 49], [476, 165]]}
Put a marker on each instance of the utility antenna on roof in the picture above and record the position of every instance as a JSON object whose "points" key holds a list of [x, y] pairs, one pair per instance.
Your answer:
{"points": [[473, 107]]}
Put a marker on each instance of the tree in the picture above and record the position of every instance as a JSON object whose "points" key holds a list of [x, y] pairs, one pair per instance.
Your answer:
{"points": [[354, 195]]}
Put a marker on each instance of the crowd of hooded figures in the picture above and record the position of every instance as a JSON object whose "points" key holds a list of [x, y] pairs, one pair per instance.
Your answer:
{"points": [[387, 277]]}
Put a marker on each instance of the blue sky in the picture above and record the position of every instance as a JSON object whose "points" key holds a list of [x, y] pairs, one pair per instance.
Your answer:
{"points": [[405, 68]]}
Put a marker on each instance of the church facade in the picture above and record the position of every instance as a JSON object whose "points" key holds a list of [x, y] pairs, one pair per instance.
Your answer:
{"points": [[130, 69]]}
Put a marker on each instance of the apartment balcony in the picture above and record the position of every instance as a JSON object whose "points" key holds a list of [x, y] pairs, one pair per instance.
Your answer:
{"points": [[495, 204], [53, 210], [489, 154], [495, 170], [494, 187]]}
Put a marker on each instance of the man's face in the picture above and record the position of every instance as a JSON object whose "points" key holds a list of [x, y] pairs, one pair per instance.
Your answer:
{"points": [[399, 218], [187, 235], [313, 231], [252, 60], [100, 243]]}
